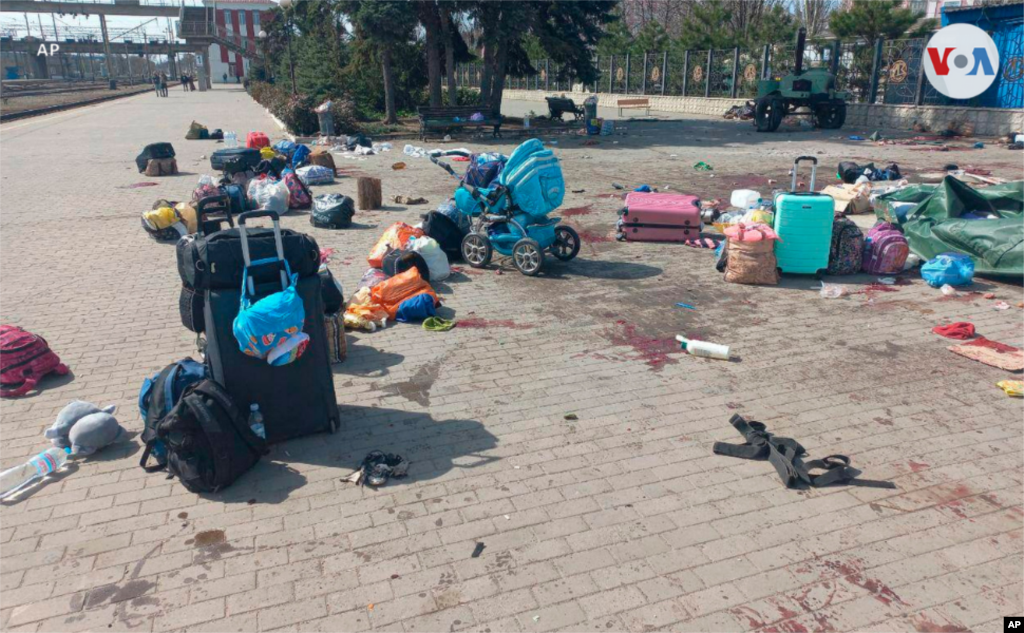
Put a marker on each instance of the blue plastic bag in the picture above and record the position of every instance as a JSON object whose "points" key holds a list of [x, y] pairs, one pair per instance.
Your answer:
{"points": [[299, 155], [416, 309], [271, 328], [954, 269]]}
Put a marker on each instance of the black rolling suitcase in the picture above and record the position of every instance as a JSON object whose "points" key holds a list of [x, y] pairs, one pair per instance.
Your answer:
{"points": [[212, 213], [241, 157], [296, 399]]}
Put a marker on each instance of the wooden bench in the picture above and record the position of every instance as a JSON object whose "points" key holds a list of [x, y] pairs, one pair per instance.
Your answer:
{"points": [[557, 106], [451, 117], [643, 104]]}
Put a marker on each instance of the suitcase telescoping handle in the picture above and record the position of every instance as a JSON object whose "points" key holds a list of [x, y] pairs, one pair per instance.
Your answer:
{"points": [[212, 205], [814, 171], [249, 215]]}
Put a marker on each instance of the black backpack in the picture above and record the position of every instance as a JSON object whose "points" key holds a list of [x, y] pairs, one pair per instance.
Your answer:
{"points": [[446, 232], [397, 262], [208, 442]]}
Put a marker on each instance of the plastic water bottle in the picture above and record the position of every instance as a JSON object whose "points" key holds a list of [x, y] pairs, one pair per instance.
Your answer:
{"points": [[230, 139], [704, 348], [14, 479], [256, 421]]}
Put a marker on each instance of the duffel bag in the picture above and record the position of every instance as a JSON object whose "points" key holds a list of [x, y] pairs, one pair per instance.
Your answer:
{"points": [[152, 151], [446, 232], [332, 211], [398, 261], [215, 260], [209, 444]]}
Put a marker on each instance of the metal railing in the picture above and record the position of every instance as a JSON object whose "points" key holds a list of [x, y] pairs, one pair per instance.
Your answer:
{"points": [[890, 72]]}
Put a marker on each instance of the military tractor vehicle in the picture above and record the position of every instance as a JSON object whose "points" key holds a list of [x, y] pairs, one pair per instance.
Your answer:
{"points": [[812, 90]]}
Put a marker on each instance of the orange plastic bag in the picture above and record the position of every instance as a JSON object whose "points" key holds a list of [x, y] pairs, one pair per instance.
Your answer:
{"points": [[395, 237], [391, 293]]}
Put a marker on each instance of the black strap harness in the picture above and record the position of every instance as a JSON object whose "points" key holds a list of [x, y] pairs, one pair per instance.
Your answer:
{"points": [[786, 455]]}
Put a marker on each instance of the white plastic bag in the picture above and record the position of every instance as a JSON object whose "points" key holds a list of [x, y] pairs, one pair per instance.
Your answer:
{"points": [[269, 195], [431, 252]]}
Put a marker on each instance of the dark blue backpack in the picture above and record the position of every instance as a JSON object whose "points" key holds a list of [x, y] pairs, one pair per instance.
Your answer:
{"points": [[300, 155], [157, 397]]}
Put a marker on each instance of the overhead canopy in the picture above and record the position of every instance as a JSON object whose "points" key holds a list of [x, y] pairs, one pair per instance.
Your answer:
{"points": [[936, 225]]}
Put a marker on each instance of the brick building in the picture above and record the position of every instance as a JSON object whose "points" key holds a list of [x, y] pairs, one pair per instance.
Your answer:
{"points": [[242, 17]]}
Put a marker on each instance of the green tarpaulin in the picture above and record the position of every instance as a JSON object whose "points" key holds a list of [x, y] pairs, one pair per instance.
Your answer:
{"points": [[935, 225]]}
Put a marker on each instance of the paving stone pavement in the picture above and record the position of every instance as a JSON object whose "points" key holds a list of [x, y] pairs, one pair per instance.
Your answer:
{"points": [[620, 519]]}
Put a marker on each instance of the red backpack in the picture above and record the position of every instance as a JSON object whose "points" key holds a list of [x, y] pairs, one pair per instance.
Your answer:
{"points": [[24, 359]]}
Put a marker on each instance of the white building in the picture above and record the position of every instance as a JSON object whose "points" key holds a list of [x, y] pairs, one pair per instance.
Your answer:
{"points": [[243, 18], [933, 8]]}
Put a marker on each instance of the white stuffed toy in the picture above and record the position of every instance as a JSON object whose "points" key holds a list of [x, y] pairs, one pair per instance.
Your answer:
{"points": [[85, 428]]}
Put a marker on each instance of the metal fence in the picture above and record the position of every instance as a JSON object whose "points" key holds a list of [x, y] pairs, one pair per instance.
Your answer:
{"points": [[890, 72]]}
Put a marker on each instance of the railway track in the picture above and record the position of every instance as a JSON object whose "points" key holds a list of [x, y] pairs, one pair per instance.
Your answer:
{"points": [[6, 116]]}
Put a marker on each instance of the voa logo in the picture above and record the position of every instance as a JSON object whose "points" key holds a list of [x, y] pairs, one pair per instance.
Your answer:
{"points": [[961, 61]]}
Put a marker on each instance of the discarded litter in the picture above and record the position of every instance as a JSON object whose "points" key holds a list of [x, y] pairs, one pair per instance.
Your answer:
{"points": [[786, 455], [854, 137], [831, 291], [479, 549], [377, 468], [685, 305], [14, 479], [704, 349], [437, 324], [1013, 388], [1002, 305], [398, 166], [888, 281], [702, 166], [571, 417], [400, 199], [947, 290]]}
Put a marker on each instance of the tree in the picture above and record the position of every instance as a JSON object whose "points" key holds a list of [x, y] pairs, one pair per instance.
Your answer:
{"points": [[704, 28], [814, 15], [383, 26], [872, 20], [430, 17]]}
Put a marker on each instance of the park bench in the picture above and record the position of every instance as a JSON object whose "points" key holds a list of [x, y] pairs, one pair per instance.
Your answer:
{"points": [[557, 106], [643, 104], [450, 117]]}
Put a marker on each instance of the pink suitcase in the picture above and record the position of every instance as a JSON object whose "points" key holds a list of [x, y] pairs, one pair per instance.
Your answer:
{"points": [[661, 217]]}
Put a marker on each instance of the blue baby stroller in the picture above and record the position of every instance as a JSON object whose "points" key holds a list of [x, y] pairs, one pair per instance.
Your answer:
{"points": [[509, 215]]}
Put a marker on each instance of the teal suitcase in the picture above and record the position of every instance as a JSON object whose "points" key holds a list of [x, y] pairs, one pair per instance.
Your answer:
{"points": [[803, 221]]}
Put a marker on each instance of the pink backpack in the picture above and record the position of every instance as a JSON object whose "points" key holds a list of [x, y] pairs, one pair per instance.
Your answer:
{"points": [[24, 359], [298, 195], [888, 252]]}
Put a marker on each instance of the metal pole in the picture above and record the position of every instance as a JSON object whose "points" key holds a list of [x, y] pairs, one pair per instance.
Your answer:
{"points": [[766, 61], [627, 74], [611, 73], [291, 57], [664, 72], [837, 50], [547, 74], [919, 94], [875, 65], [643, 86], [56, 34], [707, 74], [106, 46], [686, 71], [735, 68]]}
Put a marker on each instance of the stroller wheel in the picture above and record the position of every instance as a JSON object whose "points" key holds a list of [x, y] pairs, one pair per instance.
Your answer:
{"points": [[567, 243], [476, 250], [527, 256]]}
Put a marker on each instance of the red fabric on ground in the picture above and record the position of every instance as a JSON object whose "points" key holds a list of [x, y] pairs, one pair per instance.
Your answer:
{"points": [[960, 330]]}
